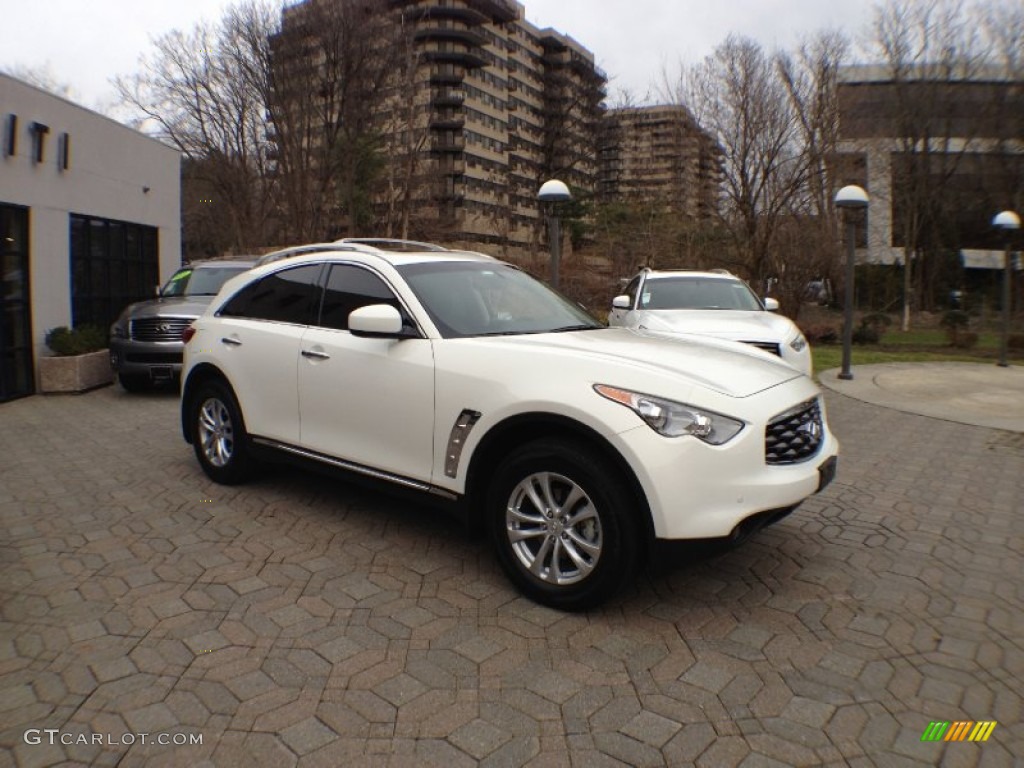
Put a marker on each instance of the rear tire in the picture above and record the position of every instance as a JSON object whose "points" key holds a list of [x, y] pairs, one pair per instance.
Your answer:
{"points": [[218, 434], [563, 523]]}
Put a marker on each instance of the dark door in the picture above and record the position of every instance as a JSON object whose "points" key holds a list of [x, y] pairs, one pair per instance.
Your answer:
{"points": [[16, 379]]}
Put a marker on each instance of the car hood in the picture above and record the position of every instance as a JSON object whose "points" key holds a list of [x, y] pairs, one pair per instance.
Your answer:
{"points": [[738, 325], [646, 361], [174, 306]]}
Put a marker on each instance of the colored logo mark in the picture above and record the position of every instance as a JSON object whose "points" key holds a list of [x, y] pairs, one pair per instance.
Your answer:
{"points": [[959, 730]]}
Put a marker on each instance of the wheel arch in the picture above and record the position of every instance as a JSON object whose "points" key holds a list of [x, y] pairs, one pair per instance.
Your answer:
{"points": [[198, 376], [528, 427]]}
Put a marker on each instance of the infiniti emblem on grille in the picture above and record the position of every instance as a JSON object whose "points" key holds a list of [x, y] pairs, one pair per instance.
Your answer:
{"points": [[810, 428], [165, 327]]}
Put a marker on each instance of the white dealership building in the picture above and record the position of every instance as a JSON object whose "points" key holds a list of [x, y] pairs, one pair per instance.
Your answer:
{"points": [[89, 222]]}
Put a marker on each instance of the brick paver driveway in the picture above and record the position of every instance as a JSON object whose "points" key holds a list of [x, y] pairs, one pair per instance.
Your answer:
{"points": [[300, 620]]}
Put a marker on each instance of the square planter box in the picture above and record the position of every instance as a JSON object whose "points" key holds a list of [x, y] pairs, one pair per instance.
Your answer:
{"points": [[79, 373]]}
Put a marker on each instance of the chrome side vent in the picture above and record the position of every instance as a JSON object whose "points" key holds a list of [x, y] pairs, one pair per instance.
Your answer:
{"points": [[457, 440]]}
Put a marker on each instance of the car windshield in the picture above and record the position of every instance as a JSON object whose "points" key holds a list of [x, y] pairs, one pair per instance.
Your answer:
{"points": [[697, 293], [202, 281], [469, 298]]}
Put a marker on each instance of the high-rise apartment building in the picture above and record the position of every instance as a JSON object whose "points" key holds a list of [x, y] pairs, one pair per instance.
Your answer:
{"points": [[659, 155], [490, 107]]}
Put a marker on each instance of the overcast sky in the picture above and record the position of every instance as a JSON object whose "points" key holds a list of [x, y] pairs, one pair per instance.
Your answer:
{"points": [[84, 43]]}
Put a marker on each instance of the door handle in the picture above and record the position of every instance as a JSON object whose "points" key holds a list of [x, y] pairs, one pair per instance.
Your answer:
{"points": [[232, 342], [309, 353]]}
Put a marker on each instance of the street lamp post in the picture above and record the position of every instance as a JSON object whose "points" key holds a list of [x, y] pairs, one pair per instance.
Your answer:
{"points": [[1008, 222], [851, 198], [554, 192]]}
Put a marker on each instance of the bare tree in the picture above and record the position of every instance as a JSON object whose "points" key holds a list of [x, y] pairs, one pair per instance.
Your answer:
{"points": [[330, 66], [196, 91], [406, 133], [810, 79], [737, 96], [926, 47]]}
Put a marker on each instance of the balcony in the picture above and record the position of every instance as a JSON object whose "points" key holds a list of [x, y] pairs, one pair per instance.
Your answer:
{"points": [[448, 97], [448, 144], [447, 74], [447, 121], [451, 166], [454, 34], [469, 11], [451, 53]]}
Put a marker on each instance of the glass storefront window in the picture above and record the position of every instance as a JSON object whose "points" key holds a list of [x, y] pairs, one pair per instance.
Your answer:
{"points": [[113, 263], [16, 377]]}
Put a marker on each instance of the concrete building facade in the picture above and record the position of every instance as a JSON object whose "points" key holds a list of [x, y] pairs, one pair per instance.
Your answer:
{"points": [[660, 154], [503, 106], [89, 221], [940, 143]]}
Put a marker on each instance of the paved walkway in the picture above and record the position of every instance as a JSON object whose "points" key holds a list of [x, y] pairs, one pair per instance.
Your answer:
{"points": [[300, 621], [967, 393]]}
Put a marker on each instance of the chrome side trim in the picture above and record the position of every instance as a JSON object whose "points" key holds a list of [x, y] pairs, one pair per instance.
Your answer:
{"points": [[356, 468], [457, 440]]}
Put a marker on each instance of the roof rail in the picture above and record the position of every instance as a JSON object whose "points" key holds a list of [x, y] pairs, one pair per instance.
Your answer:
{"points": [[391, 244], [299, 250]]}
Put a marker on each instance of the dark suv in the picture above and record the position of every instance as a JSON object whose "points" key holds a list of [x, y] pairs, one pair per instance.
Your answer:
{"points": [[145, 341]]}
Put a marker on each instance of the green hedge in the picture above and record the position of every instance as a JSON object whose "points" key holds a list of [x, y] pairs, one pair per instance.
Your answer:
{"points": [[67, 342]]}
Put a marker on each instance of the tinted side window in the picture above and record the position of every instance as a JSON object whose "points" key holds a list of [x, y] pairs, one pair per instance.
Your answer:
{"points": [[287, 296], [349, 288]]}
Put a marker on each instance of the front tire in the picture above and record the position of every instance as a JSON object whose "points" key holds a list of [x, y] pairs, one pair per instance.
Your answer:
{"points": [[563, 524], [218, 434]]}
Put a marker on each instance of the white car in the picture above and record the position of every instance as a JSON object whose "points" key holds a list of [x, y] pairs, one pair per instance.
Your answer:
{"points": [[714, 304], [575, 445]]}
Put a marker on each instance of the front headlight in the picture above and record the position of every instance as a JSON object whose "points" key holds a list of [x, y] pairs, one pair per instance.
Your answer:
{"points": [[798, 343], [673, 419], [119, 330]]}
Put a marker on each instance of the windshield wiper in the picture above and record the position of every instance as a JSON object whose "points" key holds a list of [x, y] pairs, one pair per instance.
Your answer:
{"points": [[498, 333], [566, 328]]}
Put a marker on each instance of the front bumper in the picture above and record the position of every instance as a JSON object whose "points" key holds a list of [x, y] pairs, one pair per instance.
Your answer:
{"points": [[155, 359], [700, 491]]}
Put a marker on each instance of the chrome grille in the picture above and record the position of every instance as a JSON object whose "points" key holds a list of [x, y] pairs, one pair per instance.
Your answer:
{"points": [[795, 435], [159, 328], [767, 346]]}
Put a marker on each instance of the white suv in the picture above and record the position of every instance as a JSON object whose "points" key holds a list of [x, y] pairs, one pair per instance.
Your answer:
{"points": [[577, 446], [710, 304]]}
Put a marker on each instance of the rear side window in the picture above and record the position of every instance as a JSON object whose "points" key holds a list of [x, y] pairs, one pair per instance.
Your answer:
{"points": [[287, 296], [348, 288]]}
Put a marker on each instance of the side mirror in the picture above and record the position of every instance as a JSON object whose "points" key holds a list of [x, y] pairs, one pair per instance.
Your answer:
{"points": [[621, 302], [772, 305], [376, 320]]}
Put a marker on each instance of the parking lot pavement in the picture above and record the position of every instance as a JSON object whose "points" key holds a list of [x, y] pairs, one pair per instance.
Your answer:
{"points": [[298, 620], [980, 394]]}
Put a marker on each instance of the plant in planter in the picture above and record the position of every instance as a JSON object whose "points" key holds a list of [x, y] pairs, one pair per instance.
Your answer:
{"points": [[80, 360]]}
